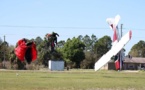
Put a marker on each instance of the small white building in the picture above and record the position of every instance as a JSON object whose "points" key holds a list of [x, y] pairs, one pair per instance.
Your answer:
{"points": [[56, 65]]}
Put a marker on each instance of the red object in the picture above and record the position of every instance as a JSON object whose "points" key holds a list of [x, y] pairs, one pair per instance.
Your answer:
{"points": [[130, 34], [48, 35], [20, 50], [115, 35], [117, 64], [34, 52]]}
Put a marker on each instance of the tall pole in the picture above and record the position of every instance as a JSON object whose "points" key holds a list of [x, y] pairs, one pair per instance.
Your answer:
{"points": [[121, 29], [121, 50], [4, 53]]}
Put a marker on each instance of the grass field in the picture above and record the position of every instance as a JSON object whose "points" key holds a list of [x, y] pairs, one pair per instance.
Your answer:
{"points": [[71, 80]]}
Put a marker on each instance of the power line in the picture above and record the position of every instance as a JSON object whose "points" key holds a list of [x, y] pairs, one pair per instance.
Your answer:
{"points": [[12, 26], [96, 28], [134, 29]]}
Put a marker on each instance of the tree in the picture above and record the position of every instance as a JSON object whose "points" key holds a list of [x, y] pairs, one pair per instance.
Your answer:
{"points": [[88, 62], [93, 41], [1, 53], [60, 44], [138, 50], [90, 56], [38, 40], [43, 52], [88, 41], [4, 51], [80, 37], [102, 46], [73, 50]]}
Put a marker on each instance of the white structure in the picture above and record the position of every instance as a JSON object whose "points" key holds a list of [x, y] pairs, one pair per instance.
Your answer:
{"points": [[57, 65]]}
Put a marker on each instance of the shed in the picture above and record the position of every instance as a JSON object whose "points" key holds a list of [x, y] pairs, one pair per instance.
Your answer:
{"points": [[134, 63], [56, 65]]}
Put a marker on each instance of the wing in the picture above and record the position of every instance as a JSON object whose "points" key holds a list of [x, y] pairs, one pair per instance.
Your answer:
{"points": [[114, 50]]}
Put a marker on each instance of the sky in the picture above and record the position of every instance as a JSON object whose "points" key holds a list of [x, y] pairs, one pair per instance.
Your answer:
{"points": [[70, 18]]}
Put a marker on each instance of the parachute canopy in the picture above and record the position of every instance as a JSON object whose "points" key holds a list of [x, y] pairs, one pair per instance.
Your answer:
{"points": [[26, 50]]}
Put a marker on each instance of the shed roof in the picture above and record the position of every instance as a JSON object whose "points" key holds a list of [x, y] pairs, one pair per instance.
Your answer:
{"points": [[134, 60]]}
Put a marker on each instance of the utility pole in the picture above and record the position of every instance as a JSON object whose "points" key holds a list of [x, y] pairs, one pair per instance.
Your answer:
{"points": [[121, 52], [121, 29], [4, 53]]}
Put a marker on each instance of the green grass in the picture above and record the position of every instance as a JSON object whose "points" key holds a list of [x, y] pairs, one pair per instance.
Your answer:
{"points": [[71, 80]]}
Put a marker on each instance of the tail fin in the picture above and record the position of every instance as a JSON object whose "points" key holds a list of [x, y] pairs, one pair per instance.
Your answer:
{"points": [[113, 23]]}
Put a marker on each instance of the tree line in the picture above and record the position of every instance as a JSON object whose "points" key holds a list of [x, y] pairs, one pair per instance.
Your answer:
{"points": [[77, 52]]}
